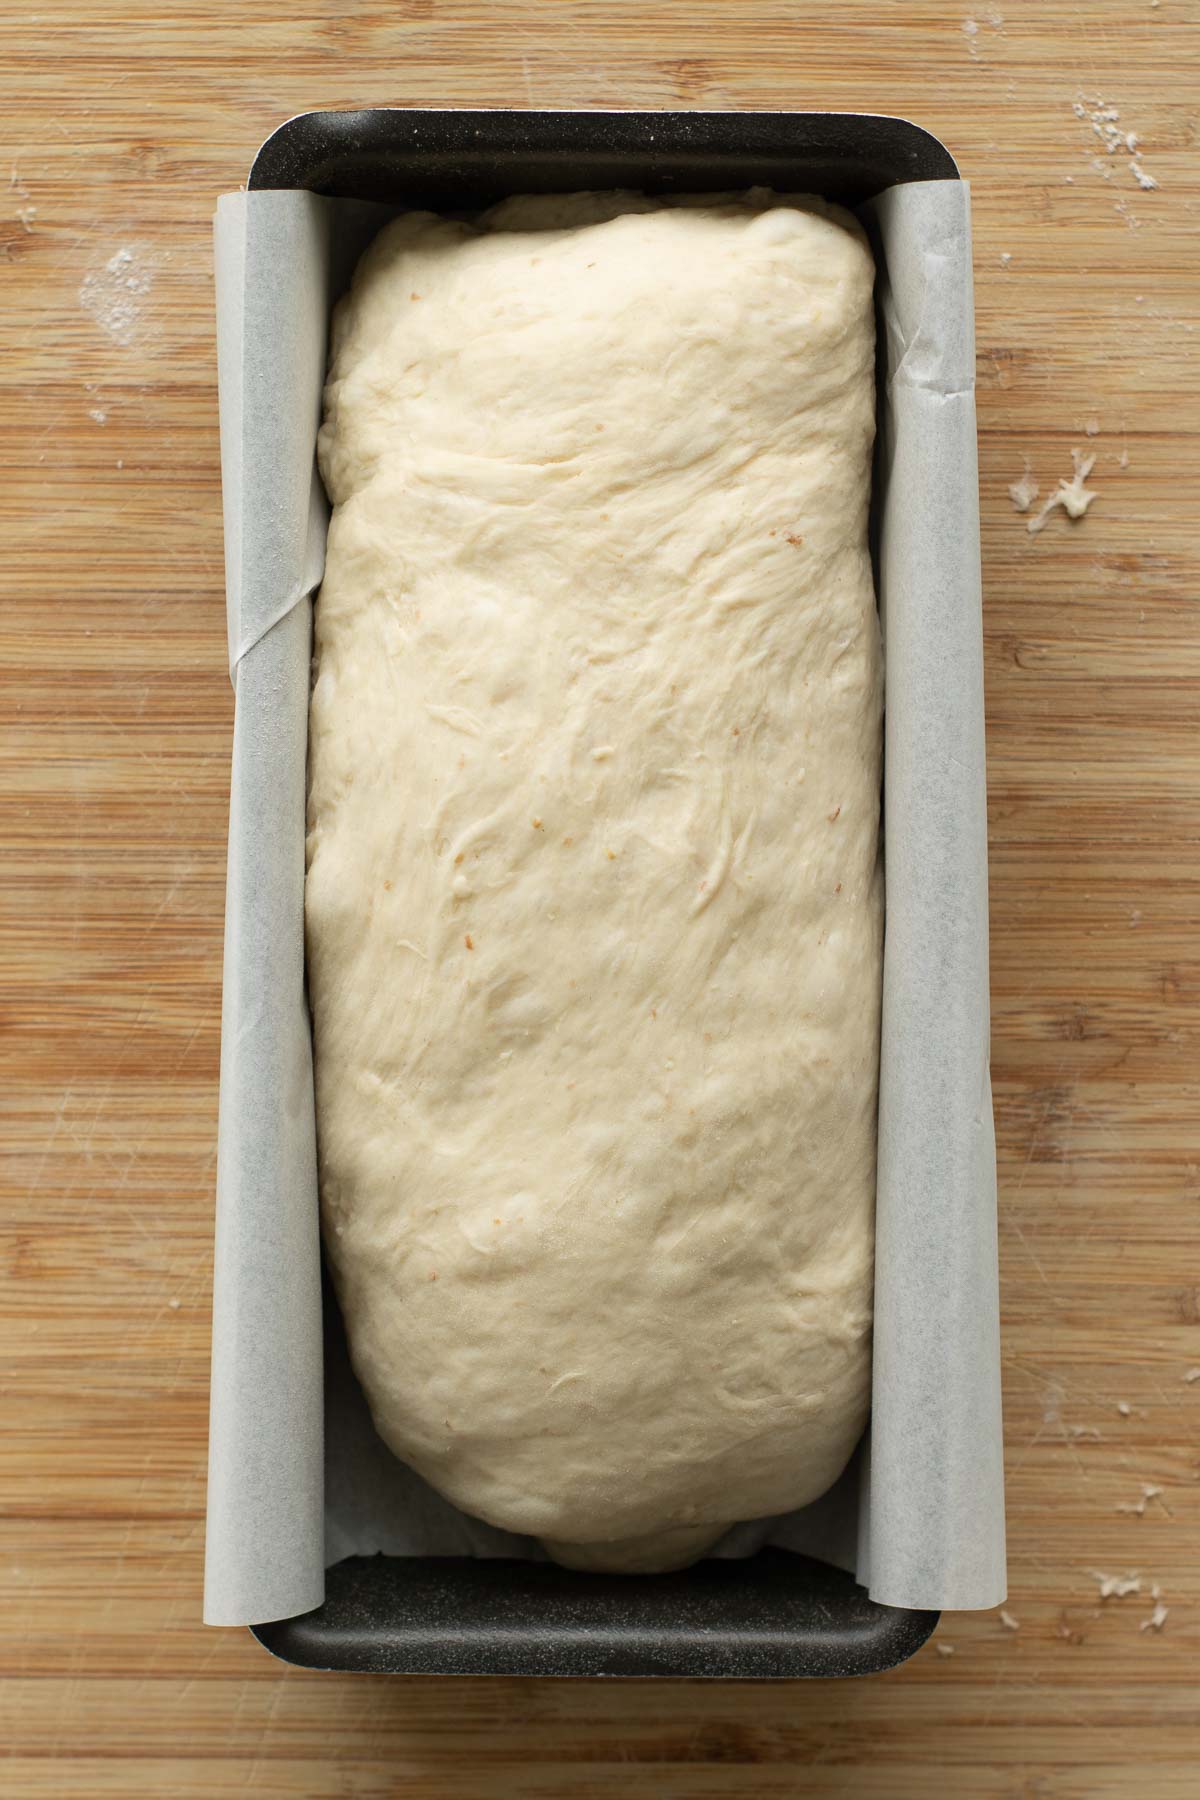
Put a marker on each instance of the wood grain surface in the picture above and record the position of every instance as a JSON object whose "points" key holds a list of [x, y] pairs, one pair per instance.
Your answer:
{"points": [[122, 122]]}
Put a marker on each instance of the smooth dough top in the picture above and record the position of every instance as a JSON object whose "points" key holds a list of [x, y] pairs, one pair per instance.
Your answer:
{"points": [[593, 904]]}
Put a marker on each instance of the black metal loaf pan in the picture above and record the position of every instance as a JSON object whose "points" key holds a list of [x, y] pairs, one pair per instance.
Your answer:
{"points": [[773, 1614]]}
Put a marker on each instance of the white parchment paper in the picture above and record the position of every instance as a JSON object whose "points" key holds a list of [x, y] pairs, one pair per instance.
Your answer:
{"points": [[297, 1476]]}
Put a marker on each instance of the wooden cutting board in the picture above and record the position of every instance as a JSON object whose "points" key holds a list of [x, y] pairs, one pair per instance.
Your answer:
{"points": [[122, 124]]}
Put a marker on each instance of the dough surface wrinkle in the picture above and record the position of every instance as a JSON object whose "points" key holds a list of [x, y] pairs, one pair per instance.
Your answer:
{"points": [[593, 906]]}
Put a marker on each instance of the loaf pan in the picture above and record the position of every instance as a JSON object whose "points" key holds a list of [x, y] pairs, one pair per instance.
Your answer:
{"points": [[774, 1614]]}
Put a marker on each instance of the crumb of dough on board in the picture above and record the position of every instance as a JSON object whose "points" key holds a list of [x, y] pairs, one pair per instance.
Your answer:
{"points": [[1008, 1621], [1115, 1587], [1073, 496], [1025, 491], [1157, 1619], [1138, 1507], [1105, 121], [944, 1649]]}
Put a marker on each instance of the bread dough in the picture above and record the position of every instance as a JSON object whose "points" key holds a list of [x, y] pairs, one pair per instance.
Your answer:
{"points": [[593, 903]]}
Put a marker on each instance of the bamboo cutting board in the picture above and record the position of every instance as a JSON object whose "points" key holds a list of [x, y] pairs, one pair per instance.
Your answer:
{"points": [[122, 124]]}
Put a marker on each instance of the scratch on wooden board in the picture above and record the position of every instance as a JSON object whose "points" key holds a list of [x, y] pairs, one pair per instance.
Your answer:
{"points": [[56, 1129]]}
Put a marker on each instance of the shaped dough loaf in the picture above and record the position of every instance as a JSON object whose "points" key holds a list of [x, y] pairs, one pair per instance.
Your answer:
{"points": [[593, 902]]}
